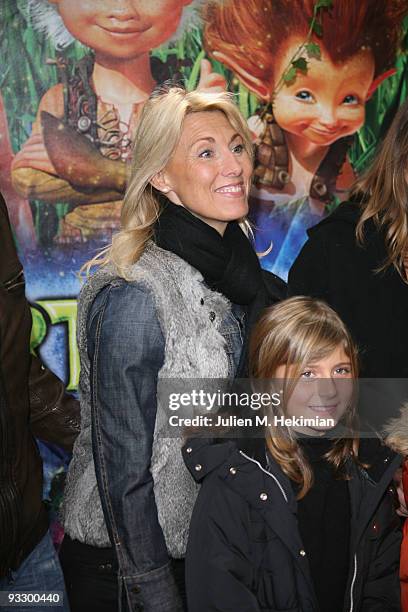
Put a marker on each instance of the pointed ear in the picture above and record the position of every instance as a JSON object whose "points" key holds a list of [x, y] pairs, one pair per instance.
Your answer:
{"points": [[159, 182], [378, 80], [252, 83]]}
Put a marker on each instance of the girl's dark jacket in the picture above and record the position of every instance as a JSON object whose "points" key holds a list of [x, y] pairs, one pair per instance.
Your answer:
{"points": [[33, 402], [245, 553]]}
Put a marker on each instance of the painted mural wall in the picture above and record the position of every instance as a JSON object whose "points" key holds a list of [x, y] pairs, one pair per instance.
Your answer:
{"points": [[318, 81]]}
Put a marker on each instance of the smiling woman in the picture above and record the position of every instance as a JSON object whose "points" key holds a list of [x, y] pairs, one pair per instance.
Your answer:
{"points": [[210, 170], [175, 297]]}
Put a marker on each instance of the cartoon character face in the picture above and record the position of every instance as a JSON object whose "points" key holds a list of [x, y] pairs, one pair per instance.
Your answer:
{"points": [[328, 102], [210, 170], [323, 391], [122, 29]]}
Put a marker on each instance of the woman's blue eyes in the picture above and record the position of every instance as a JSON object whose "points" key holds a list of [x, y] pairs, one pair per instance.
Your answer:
{"points": [[238, 148], [208, 153]]}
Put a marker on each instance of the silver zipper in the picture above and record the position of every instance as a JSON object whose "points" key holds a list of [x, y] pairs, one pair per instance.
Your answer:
{"points": [[266, 472], [352, 584], [15, 281]]}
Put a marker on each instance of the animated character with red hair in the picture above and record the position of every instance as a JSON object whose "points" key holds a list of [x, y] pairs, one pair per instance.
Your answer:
{"points": [[311, 118]]}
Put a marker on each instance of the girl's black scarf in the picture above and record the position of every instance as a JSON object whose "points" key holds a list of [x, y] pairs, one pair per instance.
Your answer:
{"points": [[228, 263]]}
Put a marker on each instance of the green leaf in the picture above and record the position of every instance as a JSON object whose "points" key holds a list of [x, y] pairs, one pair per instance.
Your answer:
{"points": [[317, 28], [289, 76], [324, 4], [195, 72], [300, 64], [313, 50]]}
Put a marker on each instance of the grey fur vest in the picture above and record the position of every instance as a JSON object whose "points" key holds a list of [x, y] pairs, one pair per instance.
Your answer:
{"points": [[194, 348], [396, 432]]}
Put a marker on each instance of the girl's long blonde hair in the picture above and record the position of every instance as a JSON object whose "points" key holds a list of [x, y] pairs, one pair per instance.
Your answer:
{"points": [[383, 192], [293, 333], [157, 136]]}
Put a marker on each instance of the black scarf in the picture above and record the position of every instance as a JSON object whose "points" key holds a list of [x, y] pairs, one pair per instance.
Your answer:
{"points": [[228, 263]]}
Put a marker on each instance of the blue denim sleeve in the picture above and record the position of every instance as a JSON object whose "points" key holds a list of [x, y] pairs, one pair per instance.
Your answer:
{"points": [[126, 350]]}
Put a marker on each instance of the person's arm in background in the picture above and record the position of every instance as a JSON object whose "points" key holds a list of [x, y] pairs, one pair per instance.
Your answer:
{"points": [[309, 274], [54, 414], [126, 350]]}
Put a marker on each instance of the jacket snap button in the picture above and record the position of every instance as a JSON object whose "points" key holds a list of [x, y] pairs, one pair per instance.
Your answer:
{"points": [[302, 553], [386, 460], [189, 450], [233, 470], [198, 467], [136, 589], [263, 496], [212, 316]]}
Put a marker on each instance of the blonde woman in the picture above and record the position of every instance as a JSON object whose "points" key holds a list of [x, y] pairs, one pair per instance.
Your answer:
{"points": [[356, 259], [308, 526], [174, 298]]}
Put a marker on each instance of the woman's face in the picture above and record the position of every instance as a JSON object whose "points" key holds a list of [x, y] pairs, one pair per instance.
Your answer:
{"points": [[328, 102], [322, 393], [210, 170], [122, 29]]}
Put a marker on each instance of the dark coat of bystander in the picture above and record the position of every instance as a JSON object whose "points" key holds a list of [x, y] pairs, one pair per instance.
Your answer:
{"points": [[332, 266], [32, 403]]}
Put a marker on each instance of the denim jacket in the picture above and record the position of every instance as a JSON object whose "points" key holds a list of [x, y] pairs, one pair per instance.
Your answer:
{"points": [[127, 350]]}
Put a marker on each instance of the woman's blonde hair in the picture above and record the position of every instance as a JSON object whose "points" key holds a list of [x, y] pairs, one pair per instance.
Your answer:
{"points": [[294, 333], [157, 136], [383, 191]]}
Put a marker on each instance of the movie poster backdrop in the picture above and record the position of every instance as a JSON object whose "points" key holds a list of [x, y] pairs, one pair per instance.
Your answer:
{"points": [[318, 81]]}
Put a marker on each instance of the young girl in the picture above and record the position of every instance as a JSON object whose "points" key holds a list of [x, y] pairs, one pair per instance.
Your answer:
{"points": [[304, 138], [309, 524]]}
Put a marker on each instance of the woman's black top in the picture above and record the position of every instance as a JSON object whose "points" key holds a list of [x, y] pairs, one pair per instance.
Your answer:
{"points": [[374, 305]]}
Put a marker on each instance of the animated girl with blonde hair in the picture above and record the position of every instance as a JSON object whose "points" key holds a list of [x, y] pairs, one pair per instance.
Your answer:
{"points": [[302, 518], [304, 137], [82, 138]]}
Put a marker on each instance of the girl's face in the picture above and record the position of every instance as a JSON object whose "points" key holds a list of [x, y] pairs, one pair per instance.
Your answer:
{"points": [[323, 392], [210, 170], [122, 29], [328, 102]]}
